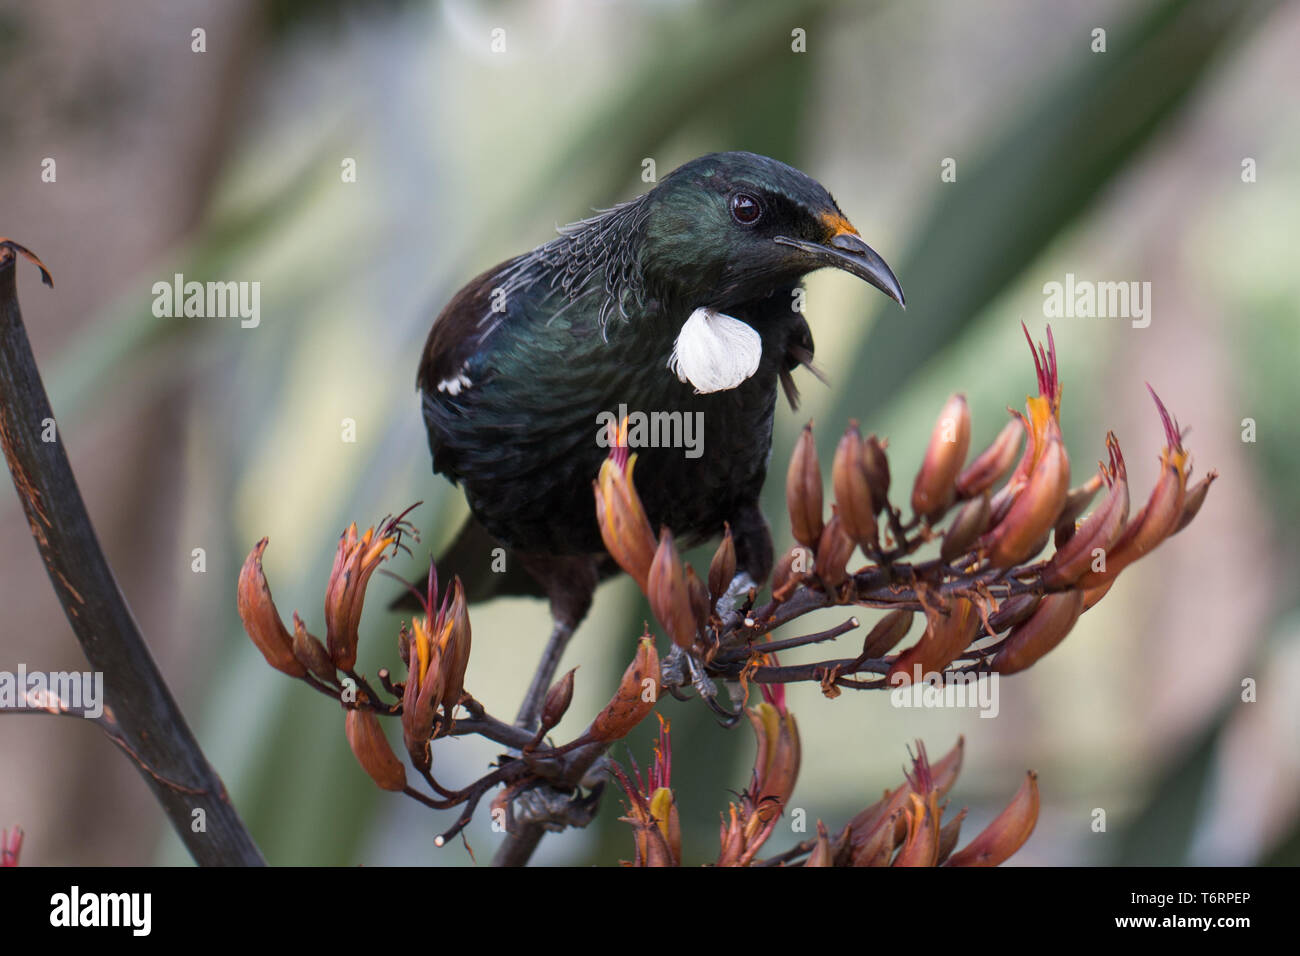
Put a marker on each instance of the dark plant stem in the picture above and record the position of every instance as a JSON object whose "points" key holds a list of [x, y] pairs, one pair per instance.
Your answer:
{"points": [[148, 725], [518, 848]]}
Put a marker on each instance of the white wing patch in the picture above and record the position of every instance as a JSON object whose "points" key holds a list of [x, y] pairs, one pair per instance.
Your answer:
{"points": [[715, 352], [454, 386]]}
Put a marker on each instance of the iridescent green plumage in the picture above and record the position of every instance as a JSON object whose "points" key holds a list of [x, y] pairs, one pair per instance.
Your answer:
{"points": [[523, 361]]}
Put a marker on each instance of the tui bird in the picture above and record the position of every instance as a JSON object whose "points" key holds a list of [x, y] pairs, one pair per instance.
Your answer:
{"points": [[681, 300]]}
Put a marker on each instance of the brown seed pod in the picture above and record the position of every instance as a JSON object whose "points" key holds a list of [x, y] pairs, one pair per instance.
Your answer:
{"points": [[803, 490]]}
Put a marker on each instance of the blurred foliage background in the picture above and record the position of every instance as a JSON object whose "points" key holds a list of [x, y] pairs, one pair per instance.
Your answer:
{"points": [[185, 433]]}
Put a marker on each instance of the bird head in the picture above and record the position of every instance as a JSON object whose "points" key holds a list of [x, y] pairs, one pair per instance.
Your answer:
{"points": [[730, 227]]}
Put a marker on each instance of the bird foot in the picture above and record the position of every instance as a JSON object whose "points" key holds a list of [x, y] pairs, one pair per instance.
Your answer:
{"points": [[680, 666], [555, 810], [737, 591]]}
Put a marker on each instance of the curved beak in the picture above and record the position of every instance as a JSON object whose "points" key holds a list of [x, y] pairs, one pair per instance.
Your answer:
{"points": [[848, 252]]}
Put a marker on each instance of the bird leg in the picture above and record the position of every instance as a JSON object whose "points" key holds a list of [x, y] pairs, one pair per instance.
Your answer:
{"points": [[531, 710], [569, 582]]}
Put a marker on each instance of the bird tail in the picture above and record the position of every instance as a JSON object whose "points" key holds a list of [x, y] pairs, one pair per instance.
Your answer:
{"points": [[474, 557]]}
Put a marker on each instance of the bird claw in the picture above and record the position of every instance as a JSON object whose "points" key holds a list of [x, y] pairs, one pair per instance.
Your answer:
{"points": [[708, 691], [672, 669], [726, 718], [680, 667], [731, 598]]}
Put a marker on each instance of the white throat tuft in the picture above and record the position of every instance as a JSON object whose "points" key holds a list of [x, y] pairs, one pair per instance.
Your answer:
{"points": [[715, 352]]}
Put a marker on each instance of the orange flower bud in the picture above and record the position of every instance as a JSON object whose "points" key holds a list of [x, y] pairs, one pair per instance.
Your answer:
{"points": [[874, 832], [878, 848], [1042, 426], [261, 619], [866, 832], [1012, 611], [822, 854], [803, 490], [1034, 511], [652, 807], [372, 750], [948, 837], [743, 833], [636, 696], [623, 524], [424, 688], [1193, 500], [935, 485], [776, 765], [1076, 502], [1100, 530], [1092, 595], [789, 570], [354, 562], [921, 846], [1050, 623], [921, 841], [666, 821], [558, 699], [876, 464], [311, 652], [701, 605], [1159, 516], [944, 772], [722, 569], [833, 553], [1006, 834], [853, 490], [971, 522], [945, 637], [992, 463], [337, 608], [886, 634], [669, 594], [454, 647]]}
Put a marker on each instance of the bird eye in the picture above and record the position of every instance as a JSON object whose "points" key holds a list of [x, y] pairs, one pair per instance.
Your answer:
{"points": [[745, 209]]}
